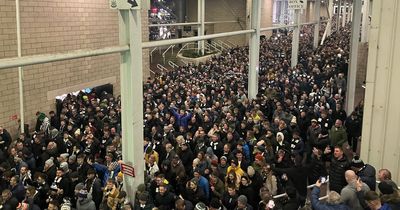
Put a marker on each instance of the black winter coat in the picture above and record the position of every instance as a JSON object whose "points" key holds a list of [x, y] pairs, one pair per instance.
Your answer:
{"points": [[336, 175]]}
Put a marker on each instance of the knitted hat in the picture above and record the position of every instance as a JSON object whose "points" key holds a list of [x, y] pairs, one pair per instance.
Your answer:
{"points": [[144, 196], [200, 206], [49, 162], [120, 174], [215, 203], [242, 199], [385, 188], [72, 158], [83, 193], [141, 187], [64, 166], [259, 157], [64, 155], [250, 171], [357, 162]]}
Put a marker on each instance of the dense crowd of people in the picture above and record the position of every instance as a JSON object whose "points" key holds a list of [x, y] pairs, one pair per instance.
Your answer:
{"points": [[207, 145]]}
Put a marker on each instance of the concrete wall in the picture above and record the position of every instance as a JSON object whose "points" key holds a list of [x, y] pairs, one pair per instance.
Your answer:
{"points": [[49, 27], [380, 137], [266, 16], [220, 10]]}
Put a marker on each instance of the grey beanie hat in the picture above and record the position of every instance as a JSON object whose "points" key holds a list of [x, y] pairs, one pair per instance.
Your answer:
{"points": [[242, 199]]}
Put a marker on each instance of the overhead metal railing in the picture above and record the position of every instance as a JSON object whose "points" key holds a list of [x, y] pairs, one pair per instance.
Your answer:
{"points": [[192, 23], [46, 58], [193, 39]]}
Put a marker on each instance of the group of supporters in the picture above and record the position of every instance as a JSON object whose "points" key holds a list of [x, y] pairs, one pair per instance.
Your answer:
{"points": [[207, 145]]}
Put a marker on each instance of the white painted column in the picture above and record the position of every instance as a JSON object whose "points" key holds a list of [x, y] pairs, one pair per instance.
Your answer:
{"points": [[254, 49], [345, 12], [20, 72], [365, 21], [354, 42], [330, 14], [350, 14], [130, 32], [380, 143], [339, 14], [200, 19], [295, 39], [317, 15]]}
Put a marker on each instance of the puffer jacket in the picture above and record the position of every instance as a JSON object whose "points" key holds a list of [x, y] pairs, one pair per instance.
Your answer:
{"points": [[367, 174], [336, 173], [85, 204]]}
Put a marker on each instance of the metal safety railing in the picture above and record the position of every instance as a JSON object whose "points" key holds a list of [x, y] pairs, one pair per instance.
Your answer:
{"points": [[224, 44], [161, 67], [165, 52], [211, 47], [151, 54], [308, 187], [172, 64]]}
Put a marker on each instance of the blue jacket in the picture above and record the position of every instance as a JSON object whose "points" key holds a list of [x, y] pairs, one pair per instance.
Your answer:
{"points": [[203, 184], [181, 120], [385, 206], [318, 205]]}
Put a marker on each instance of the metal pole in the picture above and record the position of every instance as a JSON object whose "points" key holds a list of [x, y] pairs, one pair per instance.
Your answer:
{"points": [[352, 73], [317, 19], [295, 39], [130, 33], [20, 73], [254, 49], [46, 58], [193, 39]]}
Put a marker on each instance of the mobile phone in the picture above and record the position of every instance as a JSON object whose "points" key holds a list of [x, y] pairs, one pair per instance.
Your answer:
{"points": [[322, 179]]}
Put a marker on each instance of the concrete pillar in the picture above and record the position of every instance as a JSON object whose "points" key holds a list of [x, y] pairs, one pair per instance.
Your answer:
{"points": [[330, 14], [254, 49], [354, 42], [201, 19], [130, 32], [350, 13], [339, 14], [310, 11], [181, 10], [345, 12], [249, 4], [295, 39], [380, 137], [317, 18], [365, 21]]}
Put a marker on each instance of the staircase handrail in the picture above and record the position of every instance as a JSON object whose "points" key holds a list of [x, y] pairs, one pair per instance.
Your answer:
{"points": [[172, 64], [163, 55], [161, 67]]}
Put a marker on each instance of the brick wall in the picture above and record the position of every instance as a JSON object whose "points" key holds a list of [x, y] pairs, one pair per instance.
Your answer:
{"points": [[56, 27]]}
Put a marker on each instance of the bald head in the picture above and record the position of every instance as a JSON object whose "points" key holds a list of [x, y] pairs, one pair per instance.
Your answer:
{"points": [[350, 176]]}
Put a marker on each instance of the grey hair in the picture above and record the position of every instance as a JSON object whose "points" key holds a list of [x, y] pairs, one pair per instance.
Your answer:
{"points": [[333, 198]]}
